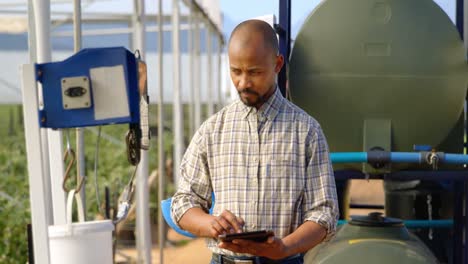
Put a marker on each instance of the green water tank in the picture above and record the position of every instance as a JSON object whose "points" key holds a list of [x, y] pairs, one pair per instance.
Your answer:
{"points": [[381, 73], [371, 239]]}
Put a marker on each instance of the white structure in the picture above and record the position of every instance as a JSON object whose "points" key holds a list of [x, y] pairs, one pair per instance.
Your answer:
{"points": [[50, 40]]}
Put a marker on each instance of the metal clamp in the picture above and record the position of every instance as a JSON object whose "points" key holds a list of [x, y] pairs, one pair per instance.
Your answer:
{"points": [[133, 145], [434, 158], [125, 203]]}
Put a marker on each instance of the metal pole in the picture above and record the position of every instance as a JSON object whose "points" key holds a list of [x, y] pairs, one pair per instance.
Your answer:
{"points": [[284, 41], [461, 190], [37, 167], [196, 73], [31, 33], [191, 66], [177, 108], [80, 149], [143, 228], [45, 149], [37, 178], [33, 50], [227, 80], [464, 14], [161, 158], [209, 70], [51, 140], [458, 223], [220, 103]]}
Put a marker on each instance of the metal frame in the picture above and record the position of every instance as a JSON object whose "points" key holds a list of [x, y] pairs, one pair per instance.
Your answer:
{"points": [[460, 250], [143, 228], [47, 198], [161, 155], [461, 190], [284, 42]]}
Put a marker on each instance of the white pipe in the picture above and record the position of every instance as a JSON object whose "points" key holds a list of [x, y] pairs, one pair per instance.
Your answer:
{"points": [[42, 29], [177, 108], [220, 102], [54, 169], [209, 71], [161, 158], [191, 66], [43, 54], [51, 140], [31, 34], [44, 147], [228, 86], [113, 31], [196, 74], [37, 179], [143, 228], [21, 3], [80, 148], [37, 167]]}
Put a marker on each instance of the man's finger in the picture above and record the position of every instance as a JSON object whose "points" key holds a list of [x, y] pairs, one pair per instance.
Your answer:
{"points": [[271, 240], [225, 224], [233, 220]]}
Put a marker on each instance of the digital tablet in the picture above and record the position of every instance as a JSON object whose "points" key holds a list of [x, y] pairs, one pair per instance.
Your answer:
{"points": [[257, 236]]}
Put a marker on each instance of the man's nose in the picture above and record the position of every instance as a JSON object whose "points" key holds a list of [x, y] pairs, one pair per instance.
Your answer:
{"points": [[244, 82]]}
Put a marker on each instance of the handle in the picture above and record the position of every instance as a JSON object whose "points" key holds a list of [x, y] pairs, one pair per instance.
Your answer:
{"points": [[73, 194]]}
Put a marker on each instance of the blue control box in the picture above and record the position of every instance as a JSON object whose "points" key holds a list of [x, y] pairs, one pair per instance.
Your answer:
{"points": [[96, 86]]}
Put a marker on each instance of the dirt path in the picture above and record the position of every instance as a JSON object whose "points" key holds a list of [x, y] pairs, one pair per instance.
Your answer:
{"points": [[193, 251]]}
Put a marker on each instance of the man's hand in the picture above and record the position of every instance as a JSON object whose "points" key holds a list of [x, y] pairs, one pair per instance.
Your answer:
{"points": [[305, 237], [201, 224], [273, 248], [226, 223]]}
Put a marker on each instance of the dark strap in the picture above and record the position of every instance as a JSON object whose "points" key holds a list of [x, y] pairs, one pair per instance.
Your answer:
{"points": [[224, 259]]}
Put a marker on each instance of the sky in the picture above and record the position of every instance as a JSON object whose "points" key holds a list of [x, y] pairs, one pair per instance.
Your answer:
{"points": [[235, 11], [240, 10]]}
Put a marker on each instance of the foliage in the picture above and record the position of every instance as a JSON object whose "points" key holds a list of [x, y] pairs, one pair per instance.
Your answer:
{"points": [[113, 171], [14, 200]]}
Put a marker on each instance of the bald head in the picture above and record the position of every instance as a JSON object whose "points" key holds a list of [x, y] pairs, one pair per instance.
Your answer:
{"points": [[251, 32]]}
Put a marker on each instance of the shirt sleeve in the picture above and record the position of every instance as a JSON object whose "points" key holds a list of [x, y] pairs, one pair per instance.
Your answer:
{"points": [[194, 187], [320, 204]]}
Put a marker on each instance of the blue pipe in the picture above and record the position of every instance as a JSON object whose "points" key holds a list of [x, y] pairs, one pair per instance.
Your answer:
{"points": [[456, 159], [409, 157], [444, 223], [348, 157], [396, 157]]}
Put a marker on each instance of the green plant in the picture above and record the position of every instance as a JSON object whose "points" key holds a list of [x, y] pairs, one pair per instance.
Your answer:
{"points": [[14, 200], [113, 171]]}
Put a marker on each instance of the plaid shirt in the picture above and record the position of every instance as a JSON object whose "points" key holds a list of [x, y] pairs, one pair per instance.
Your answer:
{"points": [[271, 167]]}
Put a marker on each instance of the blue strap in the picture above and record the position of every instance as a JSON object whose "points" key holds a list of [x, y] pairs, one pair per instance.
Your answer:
{"points": [[166, 211]]}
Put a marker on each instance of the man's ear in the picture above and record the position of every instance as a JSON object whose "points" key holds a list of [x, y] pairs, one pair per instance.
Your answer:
{"points": [[279, 63]]}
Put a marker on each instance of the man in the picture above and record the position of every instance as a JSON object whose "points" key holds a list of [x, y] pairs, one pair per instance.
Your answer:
{"points": [[265, 160]]}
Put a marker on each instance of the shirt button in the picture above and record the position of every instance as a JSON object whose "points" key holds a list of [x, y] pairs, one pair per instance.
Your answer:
{"points": [[256, 159]]}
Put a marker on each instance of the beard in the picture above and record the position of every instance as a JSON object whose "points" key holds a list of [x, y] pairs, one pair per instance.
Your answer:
{"points": [[254, 100]]}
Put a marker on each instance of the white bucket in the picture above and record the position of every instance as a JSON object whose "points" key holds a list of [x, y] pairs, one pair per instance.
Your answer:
{"points": [[79, 243], [84, 242]]}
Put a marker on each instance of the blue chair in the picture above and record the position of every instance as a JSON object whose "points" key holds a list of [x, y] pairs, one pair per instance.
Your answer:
{"points": [[166, 211]]}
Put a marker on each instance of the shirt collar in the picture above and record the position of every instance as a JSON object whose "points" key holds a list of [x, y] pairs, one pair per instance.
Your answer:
{"points": [[269, 109]]}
